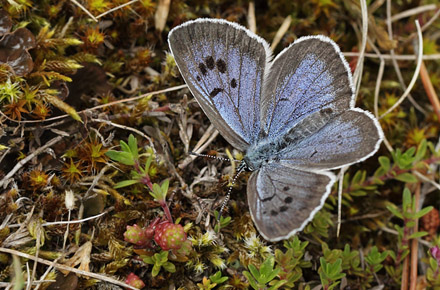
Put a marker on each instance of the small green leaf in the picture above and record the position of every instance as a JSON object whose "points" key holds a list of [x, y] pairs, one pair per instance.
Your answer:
{"points": [[407, 177], [421, 150], [148, 259], [164, 187], [125, 183], [393, 209], [250, 279], [278, 284], [423, 212], [385, 163], [406, 198], [357, 177], [148, 163], [168, 266], [155, 270], [254, 271], [125, 147], [418, 235], [217, 278], [132, 143], [267, 266]]}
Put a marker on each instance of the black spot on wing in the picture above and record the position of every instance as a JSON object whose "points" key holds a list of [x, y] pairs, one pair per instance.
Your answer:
{"points": [[268, 198], [288, 199], [273, 213], [210, 63], [234, 83], [202, 68], [286, 188], [215, 92], [283, 208], [221, 65], [198, 78]]}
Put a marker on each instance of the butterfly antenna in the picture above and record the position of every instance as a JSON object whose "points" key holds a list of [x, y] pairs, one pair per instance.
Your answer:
{"points": [[209, 156], [240, 169]]}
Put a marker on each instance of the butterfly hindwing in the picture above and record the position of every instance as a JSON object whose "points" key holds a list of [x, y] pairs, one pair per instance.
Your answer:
{"points": [[282, 200], [223, 65], [308, 76], [347, 138]]}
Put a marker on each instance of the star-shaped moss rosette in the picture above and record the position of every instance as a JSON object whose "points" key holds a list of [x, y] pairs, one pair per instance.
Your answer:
{"points": [[14, 46]]}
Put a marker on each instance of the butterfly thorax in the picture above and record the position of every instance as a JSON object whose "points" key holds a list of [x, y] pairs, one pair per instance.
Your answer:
{"points": [[270, 148], [261, 153]]}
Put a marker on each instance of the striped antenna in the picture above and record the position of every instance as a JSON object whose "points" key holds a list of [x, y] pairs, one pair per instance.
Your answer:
{"points": [[240, 169]]}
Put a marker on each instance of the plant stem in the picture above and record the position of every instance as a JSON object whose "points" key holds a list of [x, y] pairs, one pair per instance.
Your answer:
{"points": [[414, 243], [404, 285], [166, 209]]}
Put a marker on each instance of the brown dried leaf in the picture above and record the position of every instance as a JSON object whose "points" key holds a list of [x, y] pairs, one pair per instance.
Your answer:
{"points": [[82, 257], [14, 51], [5, 22], [19, 238]]}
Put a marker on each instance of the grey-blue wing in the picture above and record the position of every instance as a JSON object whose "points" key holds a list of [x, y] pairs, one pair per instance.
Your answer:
{"points": [[223, 65], [308, 76], [347, 138], [282, 200]]}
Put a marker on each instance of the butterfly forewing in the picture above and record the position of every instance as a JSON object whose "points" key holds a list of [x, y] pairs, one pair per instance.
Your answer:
{"points": [[223, 65], [308, 76], [282, 200]]}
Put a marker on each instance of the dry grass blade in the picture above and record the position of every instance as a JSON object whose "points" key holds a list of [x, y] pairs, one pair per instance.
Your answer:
{"points": [[429, 89], [84, 9], [116, 8], [415, 76], [161, 15], [252, 21], [281, 31]]}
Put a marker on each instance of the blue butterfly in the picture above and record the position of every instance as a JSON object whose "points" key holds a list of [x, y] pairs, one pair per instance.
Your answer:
{"points": [[294, 116]]}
